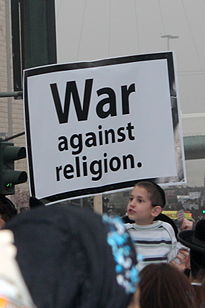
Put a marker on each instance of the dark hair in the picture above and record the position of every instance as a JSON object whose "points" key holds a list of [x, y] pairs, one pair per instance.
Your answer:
{"points": [[156, 193], [7, 208], [162, 285]]}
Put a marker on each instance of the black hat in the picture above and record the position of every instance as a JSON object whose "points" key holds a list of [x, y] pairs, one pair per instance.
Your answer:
{"points": [[71, 257], [194, 239]]}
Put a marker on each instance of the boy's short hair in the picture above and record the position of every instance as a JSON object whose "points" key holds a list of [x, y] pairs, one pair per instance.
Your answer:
{"points": [[156, 193]]}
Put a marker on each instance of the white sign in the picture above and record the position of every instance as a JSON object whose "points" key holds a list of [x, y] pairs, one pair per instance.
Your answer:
{"points": [[100, 126]]}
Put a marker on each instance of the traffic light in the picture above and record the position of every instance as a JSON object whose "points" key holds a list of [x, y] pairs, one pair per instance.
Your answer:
{"points": [[9, 177]]}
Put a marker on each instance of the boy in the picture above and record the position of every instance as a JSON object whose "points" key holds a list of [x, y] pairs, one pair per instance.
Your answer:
{"points": [[155, 240]]}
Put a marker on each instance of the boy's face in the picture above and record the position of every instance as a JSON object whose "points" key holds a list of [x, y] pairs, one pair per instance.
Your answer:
{"points": [[140, 207]]}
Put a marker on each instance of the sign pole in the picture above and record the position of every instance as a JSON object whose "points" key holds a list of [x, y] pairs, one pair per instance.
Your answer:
{"points": [[98, 204]]}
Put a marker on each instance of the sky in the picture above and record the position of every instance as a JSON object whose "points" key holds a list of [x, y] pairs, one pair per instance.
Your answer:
{"points": [[93, 29]]}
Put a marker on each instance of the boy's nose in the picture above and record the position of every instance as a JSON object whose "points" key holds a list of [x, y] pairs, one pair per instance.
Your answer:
{"points": [[132, 204]]}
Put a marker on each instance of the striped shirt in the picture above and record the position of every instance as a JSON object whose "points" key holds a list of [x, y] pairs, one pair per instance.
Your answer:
{"points": [[155, 242]]}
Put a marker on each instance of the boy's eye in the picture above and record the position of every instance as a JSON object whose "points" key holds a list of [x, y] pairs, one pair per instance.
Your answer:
{"points": [[139, 200]]}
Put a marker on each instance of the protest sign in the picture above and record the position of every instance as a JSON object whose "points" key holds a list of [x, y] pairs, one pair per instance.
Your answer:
{"points": [[102, 125]]}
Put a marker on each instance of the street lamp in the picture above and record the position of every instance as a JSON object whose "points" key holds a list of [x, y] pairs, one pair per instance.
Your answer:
{"points": [[169, 37]]}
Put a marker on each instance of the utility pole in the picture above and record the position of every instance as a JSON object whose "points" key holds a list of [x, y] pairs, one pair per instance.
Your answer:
{"points": [[169, 37]]}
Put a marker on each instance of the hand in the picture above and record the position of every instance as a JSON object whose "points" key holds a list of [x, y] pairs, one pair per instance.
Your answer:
{"points": [[182, 260], [186, 224]]}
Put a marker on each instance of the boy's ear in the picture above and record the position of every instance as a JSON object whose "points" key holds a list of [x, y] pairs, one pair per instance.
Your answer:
{"points": [[156, 210]]}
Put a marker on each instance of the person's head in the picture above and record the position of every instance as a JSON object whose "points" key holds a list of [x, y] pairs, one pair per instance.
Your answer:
{"points": [[84, 259], [162, 285], [195, 240], [13, 291], [145, 202], [7, 210]]}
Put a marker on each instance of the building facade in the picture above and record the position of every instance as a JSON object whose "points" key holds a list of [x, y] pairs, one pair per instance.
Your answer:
{"points": [[11, 110]]}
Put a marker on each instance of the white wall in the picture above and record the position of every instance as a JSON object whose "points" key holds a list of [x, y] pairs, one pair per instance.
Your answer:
{"points": [[93, 29]]}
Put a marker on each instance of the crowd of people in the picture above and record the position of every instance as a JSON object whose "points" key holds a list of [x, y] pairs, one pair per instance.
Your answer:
{"points": [[63, 256]]}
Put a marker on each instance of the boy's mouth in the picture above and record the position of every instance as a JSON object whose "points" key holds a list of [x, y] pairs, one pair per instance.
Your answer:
{"points": [[131, 211]]}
